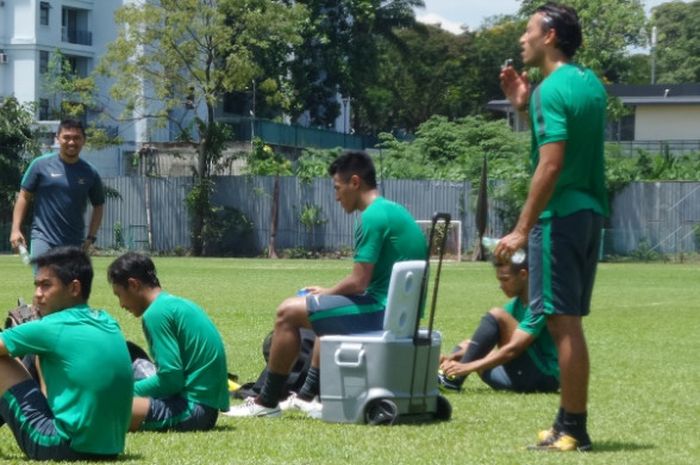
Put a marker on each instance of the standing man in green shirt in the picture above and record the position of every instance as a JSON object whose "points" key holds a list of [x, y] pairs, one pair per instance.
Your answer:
{"points": [[190, 385], [84, 413], [385, 233], [564, 211]]}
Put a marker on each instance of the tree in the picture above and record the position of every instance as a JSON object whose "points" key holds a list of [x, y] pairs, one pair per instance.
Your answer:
{"points": [[18, 143], [678, 48], [264, 161], [173, 61], [420, 78], [610, 28], [339, 52]]}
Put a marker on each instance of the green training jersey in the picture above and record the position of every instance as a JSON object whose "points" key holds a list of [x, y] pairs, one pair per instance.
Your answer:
{"points": [[386, 233], [87, 371], [542, 351], [570, 106], [188, 353]]}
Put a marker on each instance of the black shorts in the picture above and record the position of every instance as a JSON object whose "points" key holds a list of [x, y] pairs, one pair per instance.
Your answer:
{"points": [[520, 375], [178, 414], [25, 410], [563, 255]]}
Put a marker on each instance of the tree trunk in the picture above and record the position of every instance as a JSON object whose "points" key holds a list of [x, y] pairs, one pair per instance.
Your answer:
{"points": [[274, 215]]}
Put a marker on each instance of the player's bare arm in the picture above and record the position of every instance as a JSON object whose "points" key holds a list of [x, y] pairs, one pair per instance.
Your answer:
{"points": [[354, 284], [519, 341], [541, 189], [24, 199]]}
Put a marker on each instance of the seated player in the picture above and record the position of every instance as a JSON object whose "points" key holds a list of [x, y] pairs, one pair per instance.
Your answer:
{"points": [[385, 233], [525, 359], [190, 385], [84, 413]]}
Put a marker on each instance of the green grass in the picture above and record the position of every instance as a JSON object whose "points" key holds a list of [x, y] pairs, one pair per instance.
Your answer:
{"points": [[645, 383]]}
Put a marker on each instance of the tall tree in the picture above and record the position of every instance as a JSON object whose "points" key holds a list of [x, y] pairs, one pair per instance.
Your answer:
{"points": [[610, 28], [172, 55], [678, 48]]}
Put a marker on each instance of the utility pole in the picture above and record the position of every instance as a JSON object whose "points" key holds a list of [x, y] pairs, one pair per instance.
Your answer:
{"points": [[653, 54]]}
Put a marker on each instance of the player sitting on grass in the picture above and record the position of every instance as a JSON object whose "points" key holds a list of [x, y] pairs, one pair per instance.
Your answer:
{"points": [[85, 410], [526, 358], [385, 233], [190, 385]]}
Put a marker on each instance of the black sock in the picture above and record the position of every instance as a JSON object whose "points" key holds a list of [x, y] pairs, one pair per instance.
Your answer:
{"points": [[482, 342], [559, 420], [574, 424], [272, 389], [312, 385]]}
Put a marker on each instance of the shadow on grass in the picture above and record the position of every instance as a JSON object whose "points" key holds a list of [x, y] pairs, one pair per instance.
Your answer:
{"points": [[224, 427], [128, 457], [619, 446]]}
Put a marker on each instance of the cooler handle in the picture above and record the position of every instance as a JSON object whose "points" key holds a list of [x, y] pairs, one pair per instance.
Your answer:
{"points": [[359, 354]]}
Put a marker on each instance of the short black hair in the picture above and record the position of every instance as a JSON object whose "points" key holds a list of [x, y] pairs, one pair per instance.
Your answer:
{"points": [[68, 263], [133, 265], [564, 20], [71, 123], [354, 162]]}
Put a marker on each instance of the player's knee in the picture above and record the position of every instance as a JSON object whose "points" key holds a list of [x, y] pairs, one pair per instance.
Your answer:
{"points": [[287, 312], [498, 313]]}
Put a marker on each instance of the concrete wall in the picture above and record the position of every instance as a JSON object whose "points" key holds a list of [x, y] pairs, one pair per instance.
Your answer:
{"points": [[667, 122]]}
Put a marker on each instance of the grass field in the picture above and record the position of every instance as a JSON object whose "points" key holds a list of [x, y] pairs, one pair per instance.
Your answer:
{"points": [[645, 382]]}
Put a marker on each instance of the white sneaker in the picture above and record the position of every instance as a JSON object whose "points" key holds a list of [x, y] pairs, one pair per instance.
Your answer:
{"points": [[250, 409], [312, 408]]}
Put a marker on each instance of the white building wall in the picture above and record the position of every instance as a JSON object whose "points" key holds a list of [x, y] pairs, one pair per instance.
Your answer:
{"points": [[667, 122]]}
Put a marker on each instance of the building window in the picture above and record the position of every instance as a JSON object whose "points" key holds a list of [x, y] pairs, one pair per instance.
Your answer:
{"points": [[43, 109], [43, 61], [44, 8]]}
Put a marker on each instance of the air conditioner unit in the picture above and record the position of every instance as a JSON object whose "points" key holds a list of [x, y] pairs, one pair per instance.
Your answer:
{"points": [[3, 58]]}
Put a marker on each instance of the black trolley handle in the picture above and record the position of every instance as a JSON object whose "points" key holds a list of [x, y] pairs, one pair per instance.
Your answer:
{"points": [[437, 216]]}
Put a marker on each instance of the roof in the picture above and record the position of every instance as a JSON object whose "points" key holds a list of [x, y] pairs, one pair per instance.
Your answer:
{"points": [[646, 94]]}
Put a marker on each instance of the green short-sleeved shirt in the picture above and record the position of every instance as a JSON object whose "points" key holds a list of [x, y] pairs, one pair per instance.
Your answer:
{"points": [[386, 233], [542, 351], [87, 370], [570, 105], [188, 353]]}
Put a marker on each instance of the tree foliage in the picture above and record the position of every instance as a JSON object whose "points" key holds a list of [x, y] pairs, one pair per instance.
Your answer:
{"points": [[678, 47], [18, 143], [339, 52]]}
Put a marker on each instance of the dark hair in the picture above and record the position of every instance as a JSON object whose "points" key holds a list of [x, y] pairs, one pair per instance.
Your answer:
{"points": [[71, 123], [133, 265], [354, 162], [68, 263], [514, 267], [564, 20]]}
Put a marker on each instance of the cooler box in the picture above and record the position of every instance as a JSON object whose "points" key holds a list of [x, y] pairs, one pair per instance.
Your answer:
{"points": [[360, 373]]}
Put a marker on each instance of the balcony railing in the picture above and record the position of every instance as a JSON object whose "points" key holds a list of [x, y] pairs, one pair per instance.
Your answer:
{"points": [[76, 36]]}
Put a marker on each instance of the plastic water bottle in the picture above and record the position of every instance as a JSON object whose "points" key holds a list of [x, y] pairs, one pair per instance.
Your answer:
{"points": [[491, 242], [24, 254], [143, 368], [303, 292]]}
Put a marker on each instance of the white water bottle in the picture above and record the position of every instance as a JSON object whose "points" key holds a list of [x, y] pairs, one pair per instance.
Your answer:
{"points": [[24, 254], [491, 242]]}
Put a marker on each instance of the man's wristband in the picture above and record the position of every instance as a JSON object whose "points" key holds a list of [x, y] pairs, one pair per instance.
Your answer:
{"points": [[91, 239]]}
